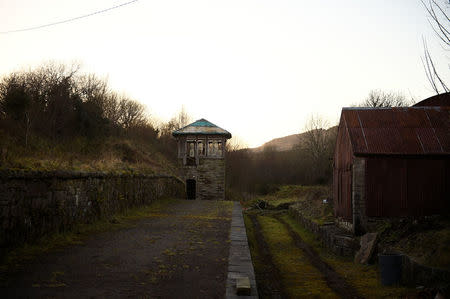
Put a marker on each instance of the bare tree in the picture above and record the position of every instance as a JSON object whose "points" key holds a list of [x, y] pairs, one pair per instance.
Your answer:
{"points": [[111, 108], [315, 142], [166, 128], [235, 144], [182, 119], [54, 102], [15, 103], [318, 146], [378, 98], [39, 99], [92, 88], [132, 113], [440, 23]]}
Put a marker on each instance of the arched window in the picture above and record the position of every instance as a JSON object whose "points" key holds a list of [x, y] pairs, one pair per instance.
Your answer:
{"points": [[210, 148], [201, 148], [191, 149]]}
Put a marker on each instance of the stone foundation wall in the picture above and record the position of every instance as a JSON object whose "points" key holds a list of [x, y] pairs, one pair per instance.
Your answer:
{"points": [[414, 274], [334, 238], [36, 204], [210, 178]]}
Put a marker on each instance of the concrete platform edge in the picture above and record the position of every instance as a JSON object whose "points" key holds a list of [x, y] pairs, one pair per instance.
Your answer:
{"points": [[239, 260]]}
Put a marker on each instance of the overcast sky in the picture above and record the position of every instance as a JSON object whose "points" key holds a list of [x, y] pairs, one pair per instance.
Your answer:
{"points": [[258, 68]]}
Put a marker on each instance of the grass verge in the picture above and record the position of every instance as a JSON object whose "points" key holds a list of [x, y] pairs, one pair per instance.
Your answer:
{"points": [[300, 278]]}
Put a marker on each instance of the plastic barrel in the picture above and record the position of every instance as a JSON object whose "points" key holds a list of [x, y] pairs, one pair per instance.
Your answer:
{"points": [[390, 268]]}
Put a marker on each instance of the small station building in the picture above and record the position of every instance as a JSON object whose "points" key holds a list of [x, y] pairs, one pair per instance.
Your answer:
{"points": [[201, 153], [391, 163]]}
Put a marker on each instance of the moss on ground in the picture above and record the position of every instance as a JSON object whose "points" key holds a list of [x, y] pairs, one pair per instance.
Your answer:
{"points": [[300, 278], [365, 278]]}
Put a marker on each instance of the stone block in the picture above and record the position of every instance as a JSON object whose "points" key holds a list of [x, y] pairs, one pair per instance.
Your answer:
{"points": [[243, 286], [344, 241], [368, 243]]}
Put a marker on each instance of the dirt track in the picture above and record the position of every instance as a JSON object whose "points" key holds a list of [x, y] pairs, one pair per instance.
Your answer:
{"points": [[180, 253], [333, 279], [268, 280]]}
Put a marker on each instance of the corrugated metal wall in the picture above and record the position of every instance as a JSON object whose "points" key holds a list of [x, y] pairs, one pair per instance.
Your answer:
{"points": [[342, 176], [407, 186]]}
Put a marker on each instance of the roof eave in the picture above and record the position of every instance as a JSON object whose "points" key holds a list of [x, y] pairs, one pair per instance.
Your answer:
{"points": [[176, 134], [362, 154]]}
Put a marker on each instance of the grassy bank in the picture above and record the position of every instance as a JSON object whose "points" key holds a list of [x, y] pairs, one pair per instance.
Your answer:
{"points": [[308, 198], [109, 154]]}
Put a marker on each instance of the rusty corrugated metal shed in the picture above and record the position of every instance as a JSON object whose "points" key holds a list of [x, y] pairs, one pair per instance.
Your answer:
{"points": [[202, 127], [399, 131]]}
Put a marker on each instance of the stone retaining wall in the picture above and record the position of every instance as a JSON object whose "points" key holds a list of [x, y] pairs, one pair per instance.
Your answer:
{"points": [[334, 238], [33, 204], [414, 274]]}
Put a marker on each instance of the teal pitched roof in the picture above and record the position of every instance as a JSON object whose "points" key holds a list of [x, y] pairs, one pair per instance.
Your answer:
{"points": [[202, 127]]}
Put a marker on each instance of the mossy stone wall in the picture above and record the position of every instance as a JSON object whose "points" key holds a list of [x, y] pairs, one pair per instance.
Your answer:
{"points": [[33, 204], [334, 238]]}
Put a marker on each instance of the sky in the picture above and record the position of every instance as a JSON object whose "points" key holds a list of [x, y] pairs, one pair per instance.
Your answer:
{"points": [[258, 69]]}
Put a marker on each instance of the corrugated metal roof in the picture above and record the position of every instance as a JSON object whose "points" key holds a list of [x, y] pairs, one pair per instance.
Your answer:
{"points": [[442, 99], [404, 131], [202, 127]]}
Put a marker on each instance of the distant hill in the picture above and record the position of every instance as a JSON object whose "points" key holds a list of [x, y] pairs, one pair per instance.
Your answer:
{"points": [[285, 143], [282, 143]]}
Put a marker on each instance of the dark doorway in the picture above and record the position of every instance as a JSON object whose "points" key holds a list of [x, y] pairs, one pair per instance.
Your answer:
{"points": [[190, 189]]}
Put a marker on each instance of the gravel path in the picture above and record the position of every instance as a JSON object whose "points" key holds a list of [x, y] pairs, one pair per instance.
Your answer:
{"points": [[181, 252]]}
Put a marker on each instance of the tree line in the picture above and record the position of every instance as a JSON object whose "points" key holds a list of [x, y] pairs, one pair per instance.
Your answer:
{"points": [[307, 163], [59, 103]]}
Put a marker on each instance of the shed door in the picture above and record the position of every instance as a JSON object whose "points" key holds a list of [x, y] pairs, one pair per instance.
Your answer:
{"points": [[346, 194], [343, 194]]}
